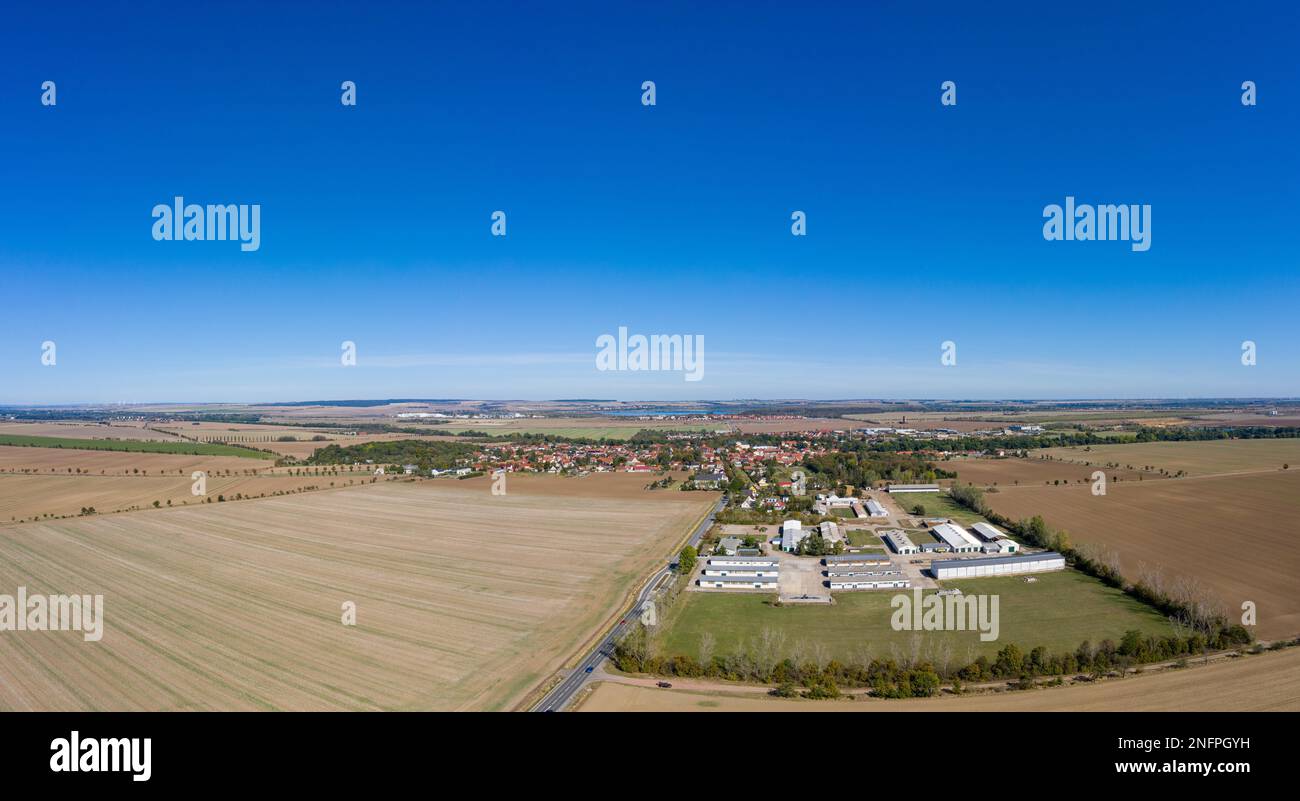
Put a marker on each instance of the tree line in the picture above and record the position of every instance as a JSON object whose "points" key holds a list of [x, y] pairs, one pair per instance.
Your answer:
{"points": [[816, 676]]}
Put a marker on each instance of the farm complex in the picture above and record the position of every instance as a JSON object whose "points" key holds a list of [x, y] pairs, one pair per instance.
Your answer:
{"points": [[444, 557]]}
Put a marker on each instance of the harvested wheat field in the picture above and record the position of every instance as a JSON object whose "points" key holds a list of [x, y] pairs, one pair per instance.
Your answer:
{"points": [[1194, 458], [611, 486], [300, 442], [74, 430], [26, 496], [118, 463], [1011, 472], [207, 431], [464, 600], [1267, 682], [305, 446], [1236, 534]]}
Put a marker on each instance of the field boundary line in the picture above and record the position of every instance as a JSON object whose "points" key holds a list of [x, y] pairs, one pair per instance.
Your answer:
{"points": [[602, 629]]}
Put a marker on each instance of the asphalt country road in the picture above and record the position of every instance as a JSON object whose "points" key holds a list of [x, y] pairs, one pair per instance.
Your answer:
{"points": [[560, 697]]}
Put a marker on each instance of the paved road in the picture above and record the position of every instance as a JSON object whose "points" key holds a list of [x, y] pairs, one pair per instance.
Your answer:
{"points": [[557, 699]]}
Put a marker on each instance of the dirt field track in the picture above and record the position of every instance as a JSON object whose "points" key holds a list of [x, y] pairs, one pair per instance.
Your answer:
{"points": [[464, 600], [1237, 534], [1264, 683]]}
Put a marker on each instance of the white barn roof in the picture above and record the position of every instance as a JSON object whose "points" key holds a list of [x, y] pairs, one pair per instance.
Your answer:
{"points": [[955, 536]]}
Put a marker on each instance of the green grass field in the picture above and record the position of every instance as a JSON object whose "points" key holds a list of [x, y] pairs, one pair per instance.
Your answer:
{"points": [[863, 537], [1058, 611], [920, 536], [133, 446], [938, 504]]}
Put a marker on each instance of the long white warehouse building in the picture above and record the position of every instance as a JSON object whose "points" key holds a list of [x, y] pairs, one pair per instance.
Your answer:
{"points": [[739, 582], [869, 583], [998, 565], [750, 566], [742, 561], [857, 560]]}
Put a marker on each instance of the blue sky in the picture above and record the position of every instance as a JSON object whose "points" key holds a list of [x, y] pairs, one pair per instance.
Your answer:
{"points": [[924, 221]]}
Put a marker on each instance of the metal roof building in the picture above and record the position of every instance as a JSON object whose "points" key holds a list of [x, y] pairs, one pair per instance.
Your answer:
{"points": [[913, 488], [733, 582], [742, 561], [856, 559], [900, 542], [867, 583], [792, 534], [956, 538], [998, 565]]}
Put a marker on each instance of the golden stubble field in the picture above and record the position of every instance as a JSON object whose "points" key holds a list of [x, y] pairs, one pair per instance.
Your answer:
{"points": [[1263, 683], [69, 461], [133, 431], [35, 482], [1196, 458], [465, 600], [27, 496], [1237, 534], [266, 437], [1012, 471]]}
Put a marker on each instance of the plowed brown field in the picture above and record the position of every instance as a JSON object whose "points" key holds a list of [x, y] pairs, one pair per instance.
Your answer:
{"points": [[1238, 534]]}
